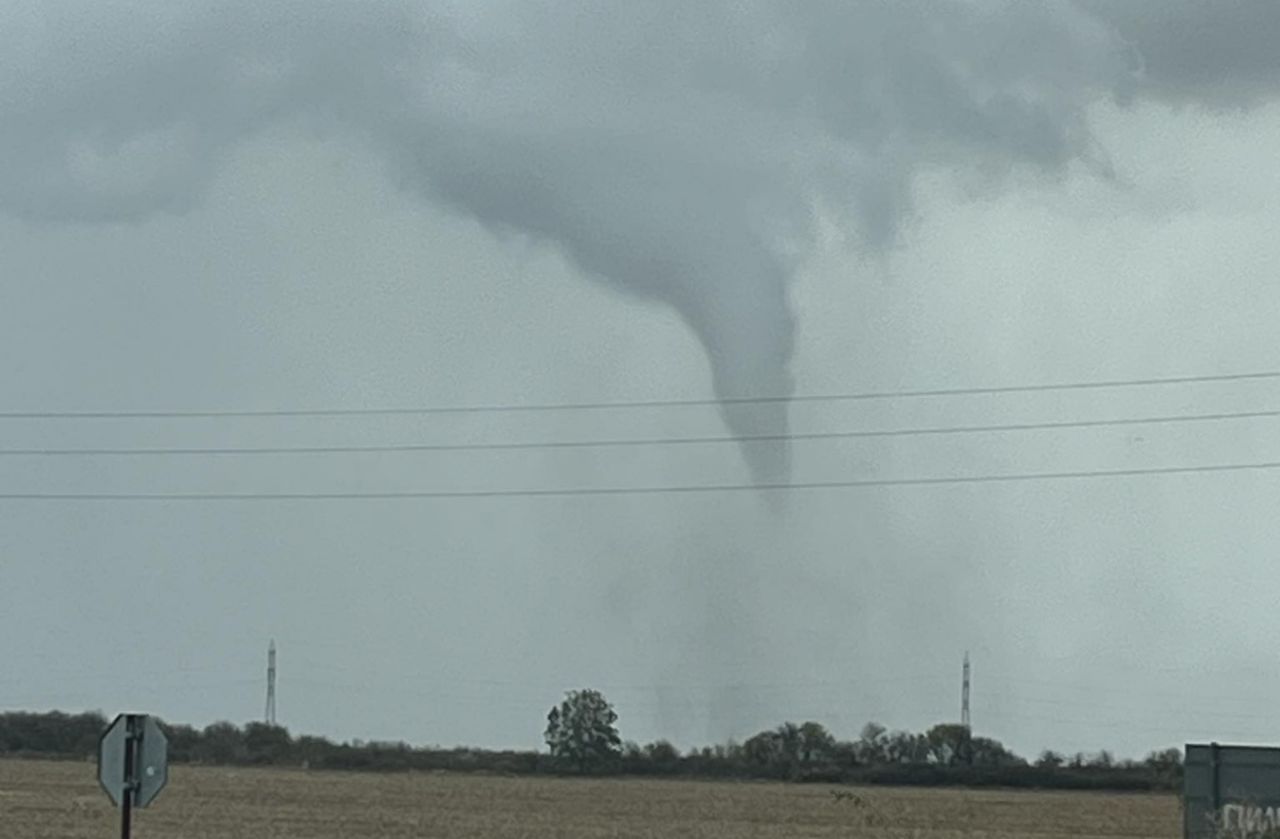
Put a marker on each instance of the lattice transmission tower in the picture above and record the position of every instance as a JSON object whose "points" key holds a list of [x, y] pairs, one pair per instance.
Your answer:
{"points": [[270, 715]]}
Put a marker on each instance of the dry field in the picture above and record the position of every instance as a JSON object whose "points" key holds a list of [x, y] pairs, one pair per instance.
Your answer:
{"points": [[46, 800]]}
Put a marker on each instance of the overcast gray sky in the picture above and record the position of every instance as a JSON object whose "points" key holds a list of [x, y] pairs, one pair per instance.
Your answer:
{"points": [[221, 207]]}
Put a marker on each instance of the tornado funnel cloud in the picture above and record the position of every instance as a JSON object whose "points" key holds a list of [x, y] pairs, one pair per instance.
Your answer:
{"points": [[749, 338]]}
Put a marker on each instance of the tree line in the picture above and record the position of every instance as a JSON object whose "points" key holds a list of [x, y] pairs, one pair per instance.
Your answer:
{"points": [[581, 733], [583, 738]]}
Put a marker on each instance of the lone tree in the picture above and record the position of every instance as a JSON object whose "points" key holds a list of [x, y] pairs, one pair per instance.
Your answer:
{"points": [[582, 731]]}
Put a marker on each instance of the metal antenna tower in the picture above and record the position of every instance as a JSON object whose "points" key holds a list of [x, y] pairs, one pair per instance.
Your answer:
{"points": [[270, 716], [964, 693]]}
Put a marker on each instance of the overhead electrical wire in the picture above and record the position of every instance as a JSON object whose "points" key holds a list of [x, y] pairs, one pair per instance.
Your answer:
{"points": [[646, 441], [657, 403], [1206, 730], [640, 490]]}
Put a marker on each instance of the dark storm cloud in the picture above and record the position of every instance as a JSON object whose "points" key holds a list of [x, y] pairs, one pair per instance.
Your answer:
{"points": [[678, 152], [1222, 53], [116, 111]]}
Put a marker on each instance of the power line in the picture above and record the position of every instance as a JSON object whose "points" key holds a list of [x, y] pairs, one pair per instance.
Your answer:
{"points": [[656, 403], [1128, 725], [649, 441], [1216, 713], [649, 490]]}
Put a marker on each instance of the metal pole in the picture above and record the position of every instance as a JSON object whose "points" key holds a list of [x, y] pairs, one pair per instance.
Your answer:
{"points": [[130, 763], [1214, 779], [124, 816]]}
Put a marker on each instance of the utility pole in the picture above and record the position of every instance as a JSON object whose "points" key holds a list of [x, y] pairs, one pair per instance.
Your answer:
{"points": [[270, 716], [964, 694]]}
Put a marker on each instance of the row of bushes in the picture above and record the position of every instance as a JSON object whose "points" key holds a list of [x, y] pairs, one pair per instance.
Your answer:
{"points": [[52, 734], [76, 735]]}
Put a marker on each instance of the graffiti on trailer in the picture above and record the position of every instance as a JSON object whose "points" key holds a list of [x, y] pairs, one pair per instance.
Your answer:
{"points": [[1248, 820]]}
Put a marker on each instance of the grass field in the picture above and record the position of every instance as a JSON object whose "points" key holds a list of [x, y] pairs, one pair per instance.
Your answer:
{"points": [[50, 800]]}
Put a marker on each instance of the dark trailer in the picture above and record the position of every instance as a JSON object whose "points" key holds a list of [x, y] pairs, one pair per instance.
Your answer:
{"points": [[1231, 791]]}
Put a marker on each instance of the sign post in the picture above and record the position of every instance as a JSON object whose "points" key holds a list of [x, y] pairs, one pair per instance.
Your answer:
{"points": [[133, 764]]}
